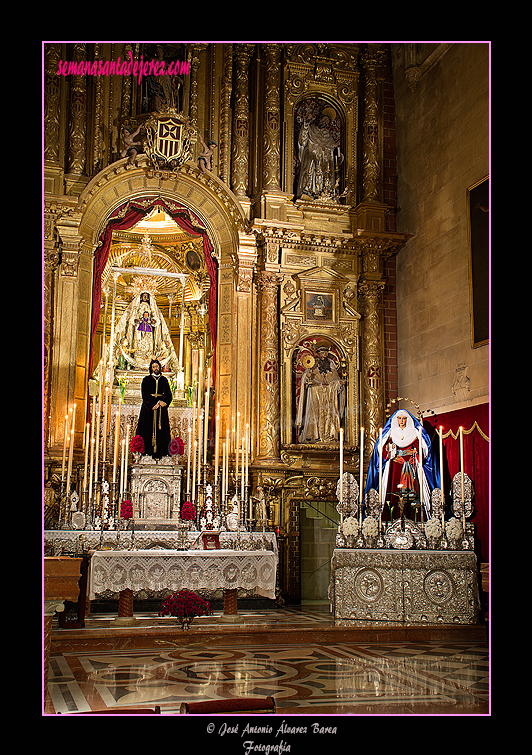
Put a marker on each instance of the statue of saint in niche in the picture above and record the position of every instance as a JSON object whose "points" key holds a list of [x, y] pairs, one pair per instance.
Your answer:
{"points": [[318, 156], [142, 335], [321, 397]]}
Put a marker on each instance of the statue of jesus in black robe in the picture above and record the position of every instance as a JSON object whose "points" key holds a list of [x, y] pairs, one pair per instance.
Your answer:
{"points": [[153, 424]]}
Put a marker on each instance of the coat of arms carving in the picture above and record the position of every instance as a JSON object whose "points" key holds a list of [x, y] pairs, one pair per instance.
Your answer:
{"points": [[169, 140]]}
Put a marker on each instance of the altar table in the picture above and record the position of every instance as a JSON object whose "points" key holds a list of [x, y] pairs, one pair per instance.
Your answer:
{"points": [[126, 572], [407, 587]]}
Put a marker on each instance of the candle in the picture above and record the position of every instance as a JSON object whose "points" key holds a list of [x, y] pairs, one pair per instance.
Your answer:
{"points": [[462, 475], [207, 402], [420, 466], [237, 444], [91, 465], [247, 454], [226, 461], [380, 468], [86, 443], [105, 421], [122, 468], [71, 449], [361, 491], [341, 470], [242, 472], [441, 477], [194, 472], [126, 456], [97, 446], [223, 469], [206, 428], [188, 461], [69, 471], [65, 439], [117, 442], [217, 445]]}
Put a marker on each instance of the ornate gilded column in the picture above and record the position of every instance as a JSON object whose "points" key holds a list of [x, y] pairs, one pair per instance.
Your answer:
{"points": [[77, 128], [225, 109], [271, 172], [269, 425], [372, 137], [240, 150], [372, 363]]}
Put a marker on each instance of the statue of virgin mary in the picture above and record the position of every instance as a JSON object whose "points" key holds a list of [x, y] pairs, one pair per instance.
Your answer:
{"points": [[142, 335]]}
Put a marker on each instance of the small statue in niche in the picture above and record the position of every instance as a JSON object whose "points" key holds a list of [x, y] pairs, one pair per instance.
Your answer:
{"points": [[205, 157], [319, 154], [132, 148]]}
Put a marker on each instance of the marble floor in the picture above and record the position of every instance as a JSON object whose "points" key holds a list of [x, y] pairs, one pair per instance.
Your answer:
{"points": [[285, 653]]}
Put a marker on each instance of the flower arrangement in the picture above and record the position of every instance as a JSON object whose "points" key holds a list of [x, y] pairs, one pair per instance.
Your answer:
{"points": [[433, 528], [137, 444], [126, 510], [185, 604], [188, 512], [453, 528], [350, 526], [370, 527], [177, 447]]}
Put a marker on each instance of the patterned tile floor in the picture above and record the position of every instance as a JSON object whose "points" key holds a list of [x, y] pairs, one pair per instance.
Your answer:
{"points": [[303, 677]]}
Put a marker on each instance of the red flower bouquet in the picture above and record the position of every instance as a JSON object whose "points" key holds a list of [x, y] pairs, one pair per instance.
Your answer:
{"points": [[126, 510], [177, 447], [137, 444], [188, 512], [185, 604]]}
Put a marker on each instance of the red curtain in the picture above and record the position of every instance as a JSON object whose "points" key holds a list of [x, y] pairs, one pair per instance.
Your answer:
{"points": [[475, 421], [126, 216]]}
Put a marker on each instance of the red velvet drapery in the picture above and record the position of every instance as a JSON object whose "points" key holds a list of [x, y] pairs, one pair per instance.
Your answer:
{"points": [[126, 216], [475, 421]]}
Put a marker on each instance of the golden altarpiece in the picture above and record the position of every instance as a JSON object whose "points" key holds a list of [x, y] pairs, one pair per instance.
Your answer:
{"points": [[276, 159]]}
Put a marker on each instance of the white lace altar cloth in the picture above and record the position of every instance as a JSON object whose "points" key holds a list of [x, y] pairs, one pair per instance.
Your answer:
{"points": [[113, 571]]}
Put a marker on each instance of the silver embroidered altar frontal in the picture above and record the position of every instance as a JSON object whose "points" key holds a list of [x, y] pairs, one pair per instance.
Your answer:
{"points": [[409, 587]]}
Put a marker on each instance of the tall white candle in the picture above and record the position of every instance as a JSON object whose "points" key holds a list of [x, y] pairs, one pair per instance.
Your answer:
{"points": [[341, 471], [248, 450], [122, 468], [105, 423], [193, 491], [217, 445], [71, 449], [462, 476], [65, 442], [441, 476], [128, 428], [381, 497], [237, 445], [188, 461], [361, 491], [117, 442], [86, 444], [420, 466], [226, 461], [223, 470]]}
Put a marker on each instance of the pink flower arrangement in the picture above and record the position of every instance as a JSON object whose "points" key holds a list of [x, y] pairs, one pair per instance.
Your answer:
{"points": [[188, 512], [177, 447], [126, 510], [137, 444], [185, 603]]}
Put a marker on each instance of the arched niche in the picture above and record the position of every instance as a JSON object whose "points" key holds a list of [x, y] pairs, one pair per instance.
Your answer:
{"points": [[200, 203], [203, 195]]}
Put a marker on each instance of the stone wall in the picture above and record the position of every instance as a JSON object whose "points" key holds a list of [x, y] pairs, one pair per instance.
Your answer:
{"points": [[442, 124]]}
